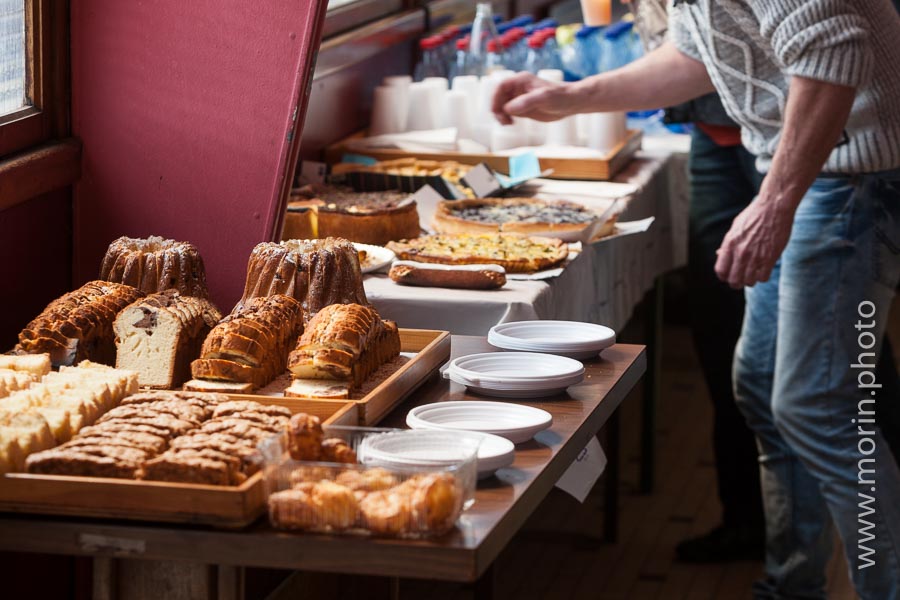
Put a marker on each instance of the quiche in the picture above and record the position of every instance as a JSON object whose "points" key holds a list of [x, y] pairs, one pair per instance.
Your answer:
{"points": [[365, 217], [515, 253], [512, 215]]}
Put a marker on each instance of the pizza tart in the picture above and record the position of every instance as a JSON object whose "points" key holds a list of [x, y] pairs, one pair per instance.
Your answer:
{"points": [[515, 253], [512, 215]]}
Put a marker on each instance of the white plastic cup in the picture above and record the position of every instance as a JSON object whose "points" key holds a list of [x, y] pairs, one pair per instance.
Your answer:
{"points": [[481, 132], [459, 113], [550, 75], [438, 87], [421, 114], [537, 132], [562, 132], [398, 80], [388, 110], [507, 137], [606, 130], [486, 88], [582, 124], [468, 85], [440, 82]]}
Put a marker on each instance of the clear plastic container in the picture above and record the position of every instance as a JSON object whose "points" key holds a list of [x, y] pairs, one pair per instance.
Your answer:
{"points": [[406, 484]]}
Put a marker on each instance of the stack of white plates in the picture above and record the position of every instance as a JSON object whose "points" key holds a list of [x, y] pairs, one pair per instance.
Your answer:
{"points": [[515, 422], [432, 448], [515, 374], [564, 338]]}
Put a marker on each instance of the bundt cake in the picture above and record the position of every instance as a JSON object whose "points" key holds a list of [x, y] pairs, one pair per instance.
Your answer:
{"points": [[155, 264], [79, 324], [315, 272]]}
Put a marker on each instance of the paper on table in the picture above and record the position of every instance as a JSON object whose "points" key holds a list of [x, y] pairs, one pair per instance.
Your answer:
{"points": [[581, 476], [427, 200], [627, 228]]}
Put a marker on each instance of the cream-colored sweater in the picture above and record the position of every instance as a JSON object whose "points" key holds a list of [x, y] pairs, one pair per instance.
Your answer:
{"points": [[751, 48]]}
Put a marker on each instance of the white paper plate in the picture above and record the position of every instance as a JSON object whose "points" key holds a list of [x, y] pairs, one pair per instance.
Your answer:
{"points": [[381, 257], [564, 338], [421, 448], [511, 394], [516, 367], [514, 422]]}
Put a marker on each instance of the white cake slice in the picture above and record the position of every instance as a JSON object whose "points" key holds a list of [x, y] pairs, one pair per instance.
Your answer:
{"points": [[158, 337]]}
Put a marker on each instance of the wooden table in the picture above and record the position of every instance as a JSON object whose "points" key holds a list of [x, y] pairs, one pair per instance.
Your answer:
{"points": [[501, 507]]}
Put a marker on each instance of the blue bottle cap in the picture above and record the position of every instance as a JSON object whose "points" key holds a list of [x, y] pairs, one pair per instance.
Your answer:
{"points": [[587, 30], [615, 31]]}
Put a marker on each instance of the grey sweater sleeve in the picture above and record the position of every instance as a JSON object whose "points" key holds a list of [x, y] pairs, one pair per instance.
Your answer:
{"points": [[826, 40], [679, 34]]}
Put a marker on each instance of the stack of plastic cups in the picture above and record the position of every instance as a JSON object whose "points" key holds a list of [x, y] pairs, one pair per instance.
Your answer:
{"points": [[562, 132], [606, 130], [401, 82], [482, 119], [459, 114], [420, 115], [388, 110], [468, 85], [438, 87]]}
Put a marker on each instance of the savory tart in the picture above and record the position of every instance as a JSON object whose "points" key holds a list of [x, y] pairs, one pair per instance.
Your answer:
{"points": [[512, 215], [515, 253], [365, 217]]}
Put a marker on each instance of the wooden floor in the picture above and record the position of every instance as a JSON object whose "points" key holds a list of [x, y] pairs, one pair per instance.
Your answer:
{"points": [[559, 553]]}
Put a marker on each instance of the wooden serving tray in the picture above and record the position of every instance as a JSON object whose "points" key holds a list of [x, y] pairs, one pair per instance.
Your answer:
{"points": [[220, 506], [431, 349], [594, 169]]}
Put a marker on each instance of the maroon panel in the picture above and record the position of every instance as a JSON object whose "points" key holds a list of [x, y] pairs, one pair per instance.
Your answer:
{"points": [[35, 244], [187, 111]]}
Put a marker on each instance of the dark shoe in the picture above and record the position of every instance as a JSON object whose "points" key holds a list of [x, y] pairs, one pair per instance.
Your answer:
{"points": [[723, 544]]}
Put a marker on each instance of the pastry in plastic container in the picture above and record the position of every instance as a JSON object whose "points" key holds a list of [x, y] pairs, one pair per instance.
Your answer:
{"points": [[407, 484]]}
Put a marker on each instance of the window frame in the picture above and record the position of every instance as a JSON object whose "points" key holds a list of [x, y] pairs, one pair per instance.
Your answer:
{"points": [[46, 53]]}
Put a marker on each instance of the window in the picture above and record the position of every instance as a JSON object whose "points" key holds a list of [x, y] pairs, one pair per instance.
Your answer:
{"points": [[33, 72], [12, 56]]}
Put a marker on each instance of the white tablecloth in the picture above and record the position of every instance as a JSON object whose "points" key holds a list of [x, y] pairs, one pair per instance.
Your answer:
{"points": [[602, 285]]}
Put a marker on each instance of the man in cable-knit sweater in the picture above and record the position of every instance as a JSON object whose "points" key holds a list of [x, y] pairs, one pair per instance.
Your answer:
{"points": [[815, 87]]}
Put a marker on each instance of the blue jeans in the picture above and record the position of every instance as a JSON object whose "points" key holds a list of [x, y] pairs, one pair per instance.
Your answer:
{"points": [[800, 395]]}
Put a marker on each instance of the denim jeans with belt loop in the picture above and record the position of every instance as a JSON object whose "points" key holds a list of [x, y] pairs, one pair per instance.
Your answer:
{"points": [[824, 310]]}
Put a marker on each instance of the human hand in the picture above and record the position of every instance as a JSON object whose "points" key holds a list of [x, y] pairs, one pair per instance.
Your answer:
{"points": [[525, 95], [754, 243]]}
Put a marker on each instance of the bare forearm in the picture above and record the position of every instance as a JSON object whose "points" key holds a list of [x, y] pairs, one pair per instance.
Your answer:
{"points": [[815, 116], [663, 77]]}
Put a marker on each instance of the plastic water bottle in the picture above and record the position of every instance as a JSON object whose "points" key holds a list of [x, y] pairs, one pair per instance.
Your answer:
{"points": [[494, 59], [551, 48], [587, 49], [537, 58], [484, 31], [615, 48], [460, 65], [431, 64]]}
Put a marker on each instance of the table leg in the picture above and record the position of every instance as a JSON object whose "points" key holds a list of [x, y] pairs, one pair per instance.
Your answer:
{"points": [[611, 489], [485, 587], [653, 316]]}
